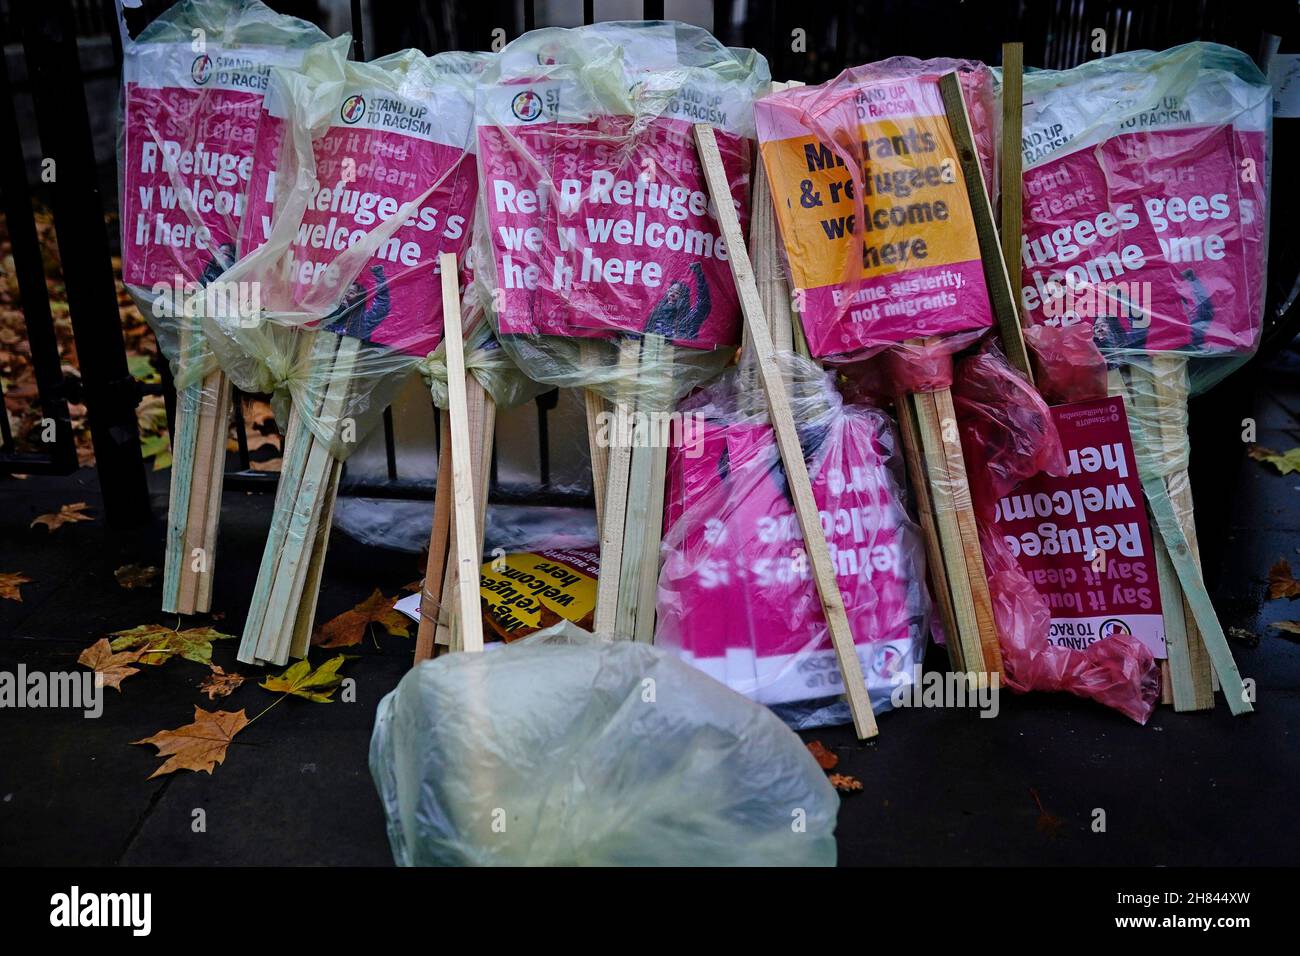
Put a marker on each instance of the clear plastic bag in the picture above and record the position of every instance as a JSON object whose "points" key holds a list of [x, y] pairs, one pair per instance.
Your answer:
{"points": [[594, 228], [561, 749], [363, 176], [736, 594], [194, 84], [872, 146]]}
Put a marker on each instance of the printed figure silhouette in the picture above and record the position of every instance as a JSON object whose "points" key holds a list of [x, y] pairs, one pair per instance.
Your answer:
{"points": [[1201, 313], [361, 312], [223, 260], [673, 316]]}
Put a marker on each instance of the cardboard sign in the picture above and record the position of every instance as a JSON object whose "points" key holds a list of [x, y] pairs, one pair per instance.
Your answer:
{"points": [[381, 151], [189, 130], [912, 268], [528, 591], [600, 224], [736, 594], [1149, 226], [1083, 539]]}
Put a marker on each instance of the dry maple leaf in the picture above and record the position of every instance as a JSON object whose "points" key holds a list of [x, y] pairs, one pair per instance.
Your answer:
{"points": [[132, 576], [1280, 582], [350, 627], [197, 746], [159, 642], [1047, 823], [1285, 462], [9, 584], [825, 759], [844, 783], [115, 667], [68, 514], [301, 681], [219, 683]]}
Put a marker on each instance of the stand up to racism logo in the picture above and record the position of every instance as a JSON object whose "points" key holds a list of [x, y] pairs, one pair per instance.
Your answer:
{"points": [[201, 69], [354, 107], [527, 106]]}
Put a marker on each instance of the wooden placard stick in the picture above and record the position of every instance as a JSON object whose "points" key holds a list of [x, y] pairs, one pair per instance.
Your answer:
{"points": [[303, 526], [1001, 293], [196, 564], [787, 436], [318, 351], [431, 593], [597, 410], [1012, 159], [182, 477], [466, 555], [618, 473], [306, 616], [216, 478]]}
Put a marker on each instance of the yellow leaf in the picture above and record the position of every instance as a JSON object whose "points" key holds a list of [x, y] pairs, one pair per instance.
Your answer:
{"points": [[301, 681], [99, 657], [200, 745], [1285, 462], [159, 642], [68, 514], [9, 584]]}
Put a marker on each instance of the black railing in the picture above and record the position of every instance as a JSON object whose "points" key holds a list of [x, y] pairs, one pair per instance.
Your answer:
{"points": [[801, 41]]}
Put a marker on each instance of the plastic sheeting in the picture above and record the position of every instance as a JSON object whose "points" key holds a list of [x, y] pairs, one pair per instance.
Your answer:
{"points": [[736, 594], [561, 749], [595, 227]]}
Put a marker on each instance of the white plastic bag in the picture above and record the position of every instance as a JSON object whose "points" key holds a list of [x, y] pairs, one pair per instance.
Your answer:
{"points": [[563, 750]]}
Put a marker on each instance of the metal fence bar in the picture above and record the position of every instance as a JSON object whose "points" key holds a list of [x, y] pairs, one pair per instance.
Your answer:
{"points": [[111, 394], [61, 454]]}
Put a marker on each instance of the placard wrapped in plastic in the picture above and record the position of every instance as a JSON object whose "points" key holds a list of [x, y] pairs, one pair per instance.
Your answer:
{"points": [[194, 82], [1145, 219], [364, 175], [596, 233], [736, 596]]}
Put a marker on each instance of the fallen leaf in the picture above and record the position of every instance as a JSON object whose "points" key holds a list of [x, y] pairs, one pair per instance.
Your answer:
{"points": [[158, 642], [197, 746], [136, 575], [219, 683], [1285, 462], [1047, 823], [1244, 637], [1280, 582], [301, 681], [159, 448], [9, 584], [350, 627], [68, 514], [825, 759], [115, 667], [844, 783], [1289, 627]]}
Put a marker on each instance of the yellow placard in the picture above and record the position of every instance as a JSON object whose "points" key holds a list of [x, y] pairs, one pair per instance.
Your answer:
{"points": [[528, 591]]}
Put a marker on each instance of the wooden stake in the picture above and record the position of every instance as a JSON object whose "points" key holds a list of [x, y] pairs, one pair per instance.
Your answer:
{"points": [[597, 409], [431, 593], [606, 619], [1001, 294], [216, 479], [467, 557], [787, 436]]}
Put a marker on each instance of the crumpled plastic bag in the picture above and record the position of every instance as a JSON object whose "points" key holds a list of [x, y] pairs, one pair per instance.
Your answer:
{"points": [[562, 749], [1008, 435]]}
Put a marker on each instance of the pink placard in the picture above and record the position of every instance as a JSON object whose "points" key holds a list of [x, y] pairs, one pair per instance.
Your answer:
{"points": [[1083, 539], [597, 229]]}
